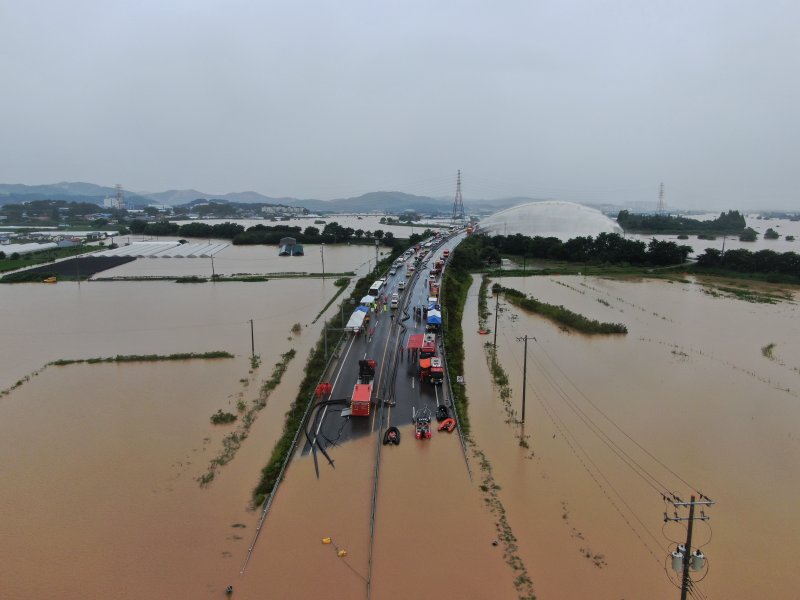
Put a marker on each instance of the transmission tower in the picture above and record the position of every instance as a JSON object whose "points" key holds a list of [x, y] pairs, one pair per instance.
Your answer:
{"points": [[660, 210], [458, 205]]}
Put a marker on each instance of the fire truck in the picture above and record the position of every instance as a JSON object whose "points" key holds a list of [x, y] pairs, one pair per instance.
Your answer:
{"points": [[362, 392]]}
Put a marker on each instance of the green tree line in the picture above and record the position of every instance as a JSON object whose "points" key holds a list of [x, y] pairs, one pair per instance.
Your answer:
{"points": [[729, 222]]}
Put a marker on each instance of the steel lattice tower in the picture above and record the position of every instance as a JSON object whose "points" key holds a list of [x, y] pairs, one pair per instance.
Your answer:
{"points": [[458, 204], [660, 210]]}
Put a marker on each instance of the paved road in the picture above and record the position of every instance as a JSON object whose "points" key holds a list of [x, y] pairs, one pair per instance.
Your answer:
{"points": [[396, 383]]}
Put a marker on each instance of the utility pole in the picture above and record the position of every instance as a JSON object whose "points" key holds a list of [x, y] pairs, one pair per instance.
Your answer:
{"points": [[376, 254], [322, 252], [661, 199], [525, 339], [689, 561], [496, 310], [213, 272], [252, 341]]}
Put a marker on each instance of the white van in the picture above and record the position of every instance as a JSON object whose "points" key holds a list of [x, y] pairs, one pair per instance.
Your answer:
{"points": [[395, 301]]}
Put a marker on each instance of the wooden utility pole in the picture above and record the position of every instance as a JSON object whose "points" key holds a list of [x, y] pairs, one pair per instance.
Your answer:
{"points": [[525, 339], [496, 311], [252, 341]]}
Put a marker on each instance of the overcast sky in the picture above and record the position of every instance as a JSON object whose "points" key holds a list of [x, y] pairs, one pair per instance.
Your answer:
{"points": [[594, 101]]}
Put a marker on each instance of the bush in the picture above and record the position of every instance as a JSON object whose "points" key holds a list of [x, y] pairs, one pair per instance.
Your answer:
{"points": [[223, 418]]}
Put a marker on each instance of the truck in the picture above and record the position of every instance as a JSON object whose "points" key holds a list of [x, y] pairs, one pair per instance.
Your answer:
{"points": [[431, 369], [445, 253], [362, 391], [428, 346]]}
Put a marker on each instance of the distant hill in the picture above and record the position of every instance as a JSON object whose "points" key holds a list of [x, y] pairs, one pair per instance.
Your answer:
{"points": [[13, 193], [384, 201], [389, 202]]}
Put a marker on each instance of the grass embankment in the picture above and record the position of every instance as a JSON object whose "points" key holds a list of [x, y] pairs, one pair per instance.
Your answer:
{"points": [[314, 371], [562, 316], [455, 285], [341, 283], [40, 257], [233, 441]]}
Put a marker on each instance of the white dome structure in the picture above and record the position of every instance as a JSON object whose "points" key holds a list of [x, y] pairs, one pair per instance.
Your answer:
{"points": [[551, 218]]}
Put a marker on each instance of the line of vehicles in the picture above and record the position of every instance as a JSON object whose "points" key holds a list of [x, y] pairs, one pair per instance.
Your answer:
{"points": [[429, 365]]}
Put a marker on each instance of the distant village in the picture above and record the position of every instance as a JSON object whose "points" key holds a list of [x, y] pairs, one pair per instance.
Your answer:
{"points": [[62, 224]]}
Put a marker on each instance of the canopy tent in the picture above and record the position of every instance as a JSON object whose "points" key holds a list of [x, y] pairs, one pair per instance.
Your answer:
{"points": [[357, 318], [367, 300], [434, 317], [415, 341]]}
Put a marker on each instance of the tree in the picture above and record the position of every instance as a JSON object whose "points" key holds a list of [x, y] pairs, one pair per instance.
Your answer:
{"points": [[389, 239], [137, 226], [311, 231], [2, 255], [378, 234], [748, 235], [151, 211], [771, 234], [15, 256]]}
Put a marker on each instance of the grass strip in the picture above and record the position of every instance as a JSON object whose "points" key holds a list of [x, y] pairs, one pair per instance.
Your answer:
{"points": [[124, 358], [562, 316], [455, 285], [341, 283]]}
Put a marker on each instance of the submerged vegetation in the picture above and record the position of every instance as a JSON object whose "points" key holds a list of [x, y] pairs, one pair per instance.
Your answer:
{"points": [[222, 418], [561, 315], [233, 441]]}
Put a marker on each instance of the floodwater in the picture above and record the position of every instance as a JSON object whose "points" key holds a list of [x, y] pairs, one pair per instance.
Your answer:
{"points": [[690, 384], [41, 323], [97, 488], [783, 227], [255, 260]]}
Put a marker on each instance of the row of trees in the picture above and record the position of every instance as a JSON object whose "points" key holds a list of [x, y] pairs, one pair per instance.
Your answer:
{"points": [[332, 233], [729, 222], [764, 262], [610, 248]]}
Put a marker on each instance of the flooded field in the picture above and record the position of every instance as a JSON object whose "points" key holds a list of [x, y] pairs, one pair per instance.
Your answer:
{"points": [[706, 382], [98, 486], [256, 260]]}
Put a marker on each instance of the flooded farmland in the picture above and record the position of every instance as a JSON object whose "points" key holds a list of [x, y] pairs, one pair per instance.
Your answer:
{"points": [[102, 459], [705, 381], [98, 488]]}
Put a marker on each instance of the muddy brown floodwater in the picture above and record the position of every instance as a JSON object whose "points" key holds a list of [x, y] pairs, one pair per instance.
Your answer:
{"points": [[689, 383], [97, 485]]}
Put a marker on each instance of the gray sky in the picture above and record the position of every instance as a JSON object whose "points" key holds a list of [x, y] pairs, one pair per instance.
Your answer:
{"points": [[578, 100]]}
